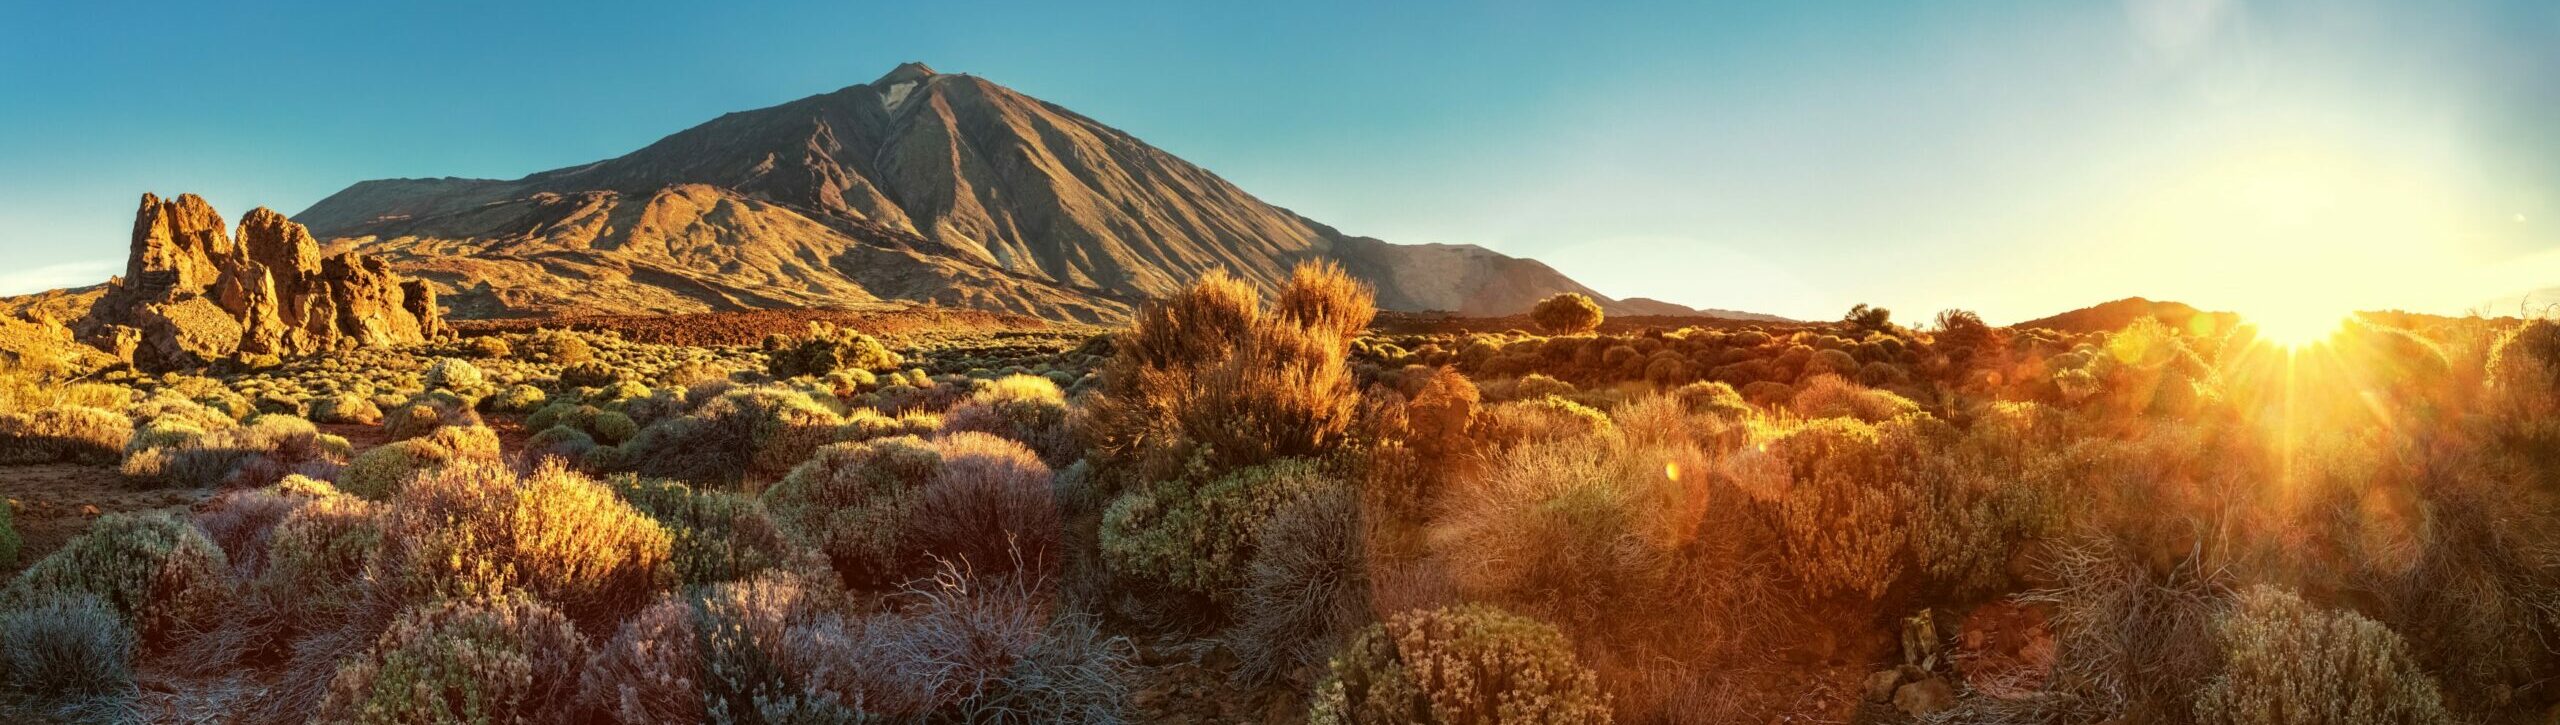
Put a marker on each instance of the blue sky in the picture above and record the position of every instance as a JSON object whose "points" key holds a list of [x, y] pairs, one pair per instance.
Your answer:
{"points": [[2016, 157]]}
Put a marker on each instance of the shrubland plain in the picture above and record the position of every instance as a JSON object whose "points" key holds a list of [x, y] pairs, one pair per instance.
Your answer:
{"points": [[1286, 507]]}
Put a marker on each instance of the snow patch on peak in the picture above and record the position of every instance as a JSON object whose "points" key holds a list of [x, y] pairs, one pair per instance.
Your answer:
{"points": [[896, 96]]}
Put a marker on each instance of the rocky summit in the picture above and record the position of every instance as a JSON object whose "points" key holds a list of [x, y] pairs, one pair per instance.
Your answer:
{"points": [[918, 186], [193, 293]]}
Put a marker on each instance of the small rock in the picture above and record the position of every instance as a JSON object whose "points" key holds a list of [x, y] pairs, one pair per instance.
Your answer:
{"points": [[1880, 685], [88, 509], [1924, 697]]}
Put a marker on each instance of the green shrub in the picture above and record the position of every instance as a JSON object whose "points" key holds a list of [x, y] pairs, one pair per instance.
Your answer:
{"points": [[517, 399], [480, 527], [558, 347], [1467, 665], [65, 434], [745, 434], [426, 413], [718, 536], [9, 541], [503, 659], [65, 645], [1566, 313], [455, 375], [826, 349], [157, 570], [589, 374], [379, 473], [316, 558], [1198, 539], [1024, 408], [878, 508], [489, 347], [346, 408], [2287, 662]]}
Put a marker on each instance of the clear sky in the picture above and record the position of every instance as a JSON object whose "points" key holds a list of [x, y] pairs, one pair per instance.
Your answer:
{"points": [[2017, 157]]}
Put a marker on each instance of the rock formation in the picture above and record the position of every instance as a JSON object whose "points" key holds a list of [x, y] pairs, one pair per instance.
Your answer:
{"points": [[192, 294]]}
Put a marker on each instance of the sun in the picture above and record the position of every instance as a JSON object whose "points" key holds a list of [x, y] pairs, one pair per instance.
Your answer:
{"points": [[2295, 327]]}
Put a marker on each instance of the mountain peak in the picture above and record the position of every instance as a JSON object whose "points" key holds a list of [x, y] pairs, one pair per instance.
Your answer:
{"points": [[908, 71]]}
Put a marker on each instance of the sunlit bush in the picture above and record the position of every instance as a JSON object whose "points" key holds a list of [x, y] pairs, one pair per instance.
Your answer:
{"points": [[64, 434], [1024, 408], [1566, 314], [1470, 665], [746, 434], [718, 536], [825, 349], [1198, 539], [157, 570], [474, 527], [2286, 661], [496, 659], [879, 509]]}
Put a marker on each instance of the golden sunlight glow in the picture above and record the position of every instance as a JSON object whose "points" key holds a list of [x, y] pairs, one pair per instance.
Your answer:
{"points": [[2295, 328]]}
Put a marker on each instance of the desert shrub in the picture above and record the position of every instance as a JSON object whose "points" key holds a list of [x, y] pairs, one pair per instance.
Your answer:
{"points": [[65, 645], [454, 374], [346, 408], [1208, 375], [64, 434], [259, 453], [1469, 664], [242, 522], [1570, 530], [500, 659], [589, 374], [2524, 370], [826, 349], [379, 473], [425, 413], [1566, 313], [878, 508], [1305, 591], [558, 347], [157, 570], [475, 527], [1441, 414], [1830, 396], [517, 399], [1024, 408], [489, 347], [315, 559], [745, 434], [2287, 661], [649, 672], [2130, 639], [1198, 539], [1834, 492], [1542, 419], [560, 441], [718, 536], [9, 540], [965, 648]]}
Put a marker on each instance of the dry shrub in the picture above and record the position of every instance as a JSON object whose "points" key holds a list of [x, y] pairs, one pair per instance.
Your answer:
{"points": [[1575, 532], [1830, 396], [428, 412], [826, 349], [1833, 491], [719, 536], [265, 450], [2132, 640], [346, 408], [242, 522], [1208, 373], [1025, 408], [2524, 370], [1306, 590], [479, 528], [1197, 541], [63, 646], [1471, 665], [747, 434], [650, 672], [157, 570], [64, 434], [2286, 662], [498, 659], [878, 508], [1566, 313], [1538, 420]]}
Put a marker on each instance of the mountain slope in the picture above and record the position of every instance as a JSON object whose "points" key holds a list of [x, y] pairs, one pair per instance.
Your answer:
{"points": [[2115, 315], [918, 186]]}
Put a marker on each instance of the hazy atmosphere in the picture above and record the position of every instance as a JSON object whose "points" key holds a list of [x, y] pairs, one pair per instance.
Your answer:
{"points": [[1786, 159]]}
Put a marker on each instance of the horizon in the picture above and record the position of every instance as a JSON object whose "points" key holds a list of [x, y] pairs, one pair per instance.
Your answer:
{"points": [[2269, 158]]}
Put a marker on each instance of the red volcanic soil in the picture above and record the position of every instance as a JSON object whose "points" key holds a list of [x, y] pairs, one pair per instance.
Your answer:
{"points": [[708, 329]]}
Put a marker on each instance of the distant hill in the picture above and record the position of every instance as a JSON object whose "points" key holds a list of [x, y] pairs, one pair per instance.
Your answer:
{"points": [[2116, 315], [918, 186], [1649, 307]]}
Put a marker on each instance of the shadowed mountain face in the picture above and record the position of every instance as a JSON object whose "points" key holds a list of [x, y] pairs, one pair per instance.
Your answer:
{"points": [[916, 187]]}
